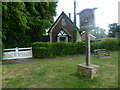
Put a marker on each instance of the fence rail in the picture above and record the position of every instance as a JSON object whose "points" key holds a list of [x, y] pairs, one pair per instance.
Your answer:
{"points": [[17, 53]]}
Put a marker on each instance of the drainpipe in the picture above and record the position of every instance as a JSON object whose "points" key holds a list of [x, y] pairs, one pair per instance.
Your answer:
{"points": [[50, 37]]}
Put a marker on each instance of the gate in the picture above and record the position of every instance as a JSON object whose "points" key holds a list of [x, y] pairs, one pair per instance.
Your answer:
{"points": [[17, 53]]}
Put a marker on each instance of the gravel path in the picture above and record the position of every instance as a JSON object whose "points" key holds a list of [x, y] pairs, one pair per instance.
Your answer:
{"points": [[5, 62]]}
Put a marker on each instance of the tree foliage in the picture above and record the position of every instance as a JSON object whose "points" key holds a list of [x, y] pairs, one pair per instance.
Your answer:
{"points": [[74, 33], [25, 22], [113, 28], [98, 32]]}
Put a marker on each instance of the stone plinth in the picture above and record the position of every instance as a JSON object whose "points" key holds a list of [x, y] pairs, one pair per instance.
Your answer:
{"points": [[90, 71]]}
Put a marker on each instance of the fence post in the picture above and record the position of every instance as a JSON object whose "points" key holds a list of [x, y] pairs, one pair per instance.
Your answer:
{"points": [[16, 52], [31, 52]]}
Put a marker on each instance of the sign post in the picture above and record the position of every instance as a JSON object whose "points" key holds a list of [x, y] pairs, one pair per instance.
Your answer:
{"points": [[87, 24], [87, 48]]}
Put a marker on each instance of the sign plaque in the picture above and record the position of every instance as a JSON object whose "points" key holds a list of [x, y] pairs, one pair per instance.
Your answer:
{"points": [[87, 19]]}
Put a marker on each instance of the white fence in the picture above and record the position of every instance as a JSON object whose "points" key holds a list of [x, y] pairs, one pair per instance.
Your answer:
{"points": [[17, 53]]}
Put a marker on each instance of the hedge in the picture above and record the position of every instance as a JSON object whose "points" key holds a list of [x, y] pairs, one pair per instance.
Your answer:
{"points": [[42, 50], [49, 50]]}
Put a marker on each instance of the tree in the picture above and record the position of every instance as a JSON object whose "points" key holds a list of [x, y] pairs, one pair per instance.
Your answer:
{"points": [[40, 17], [25, 22], [98, 32], [14, 24], [113, 28]]}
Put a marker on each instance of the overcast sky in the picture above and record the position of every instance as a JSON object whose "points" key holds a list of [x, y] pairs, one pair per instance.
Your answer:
{"points": [[107, 12]]}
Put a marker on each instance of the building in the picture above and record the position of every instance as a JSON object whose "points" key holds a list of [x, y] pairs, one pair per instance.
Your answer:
{"points": [[62, 30], [83, 36]]}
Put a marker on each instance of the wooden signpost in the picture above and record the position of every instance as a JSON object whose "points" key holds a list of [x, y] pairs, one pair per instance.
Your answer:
{"points": [[87, 23]]}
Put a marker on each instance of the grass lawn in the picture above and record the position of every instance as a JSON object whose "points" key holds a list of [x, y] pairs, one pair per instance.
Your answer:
{"points": [[60, 73]]}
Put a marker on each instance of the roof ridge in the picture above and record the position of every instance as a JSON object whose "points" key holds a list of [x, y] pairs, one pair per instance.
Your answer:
{"points": [[63, 13]]}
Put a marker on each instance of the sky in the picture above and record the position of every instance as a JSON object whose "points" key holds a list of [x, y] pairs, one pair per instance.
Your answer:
{"points": [[107, 12]]}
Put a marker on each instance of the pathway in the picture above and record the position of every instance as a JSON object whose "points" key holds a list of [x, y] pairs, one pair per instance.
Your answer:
{"points": [[5, 62], [34, 60]]}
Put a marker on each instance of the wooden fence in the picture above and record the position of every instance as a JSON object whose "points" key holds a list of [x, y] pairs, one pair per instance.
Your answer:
{"points": [[17, 53]]}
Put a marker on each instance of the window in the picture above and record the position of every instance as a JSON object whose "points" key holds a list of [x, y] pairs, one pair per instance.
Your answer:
{"points": [[62, 36], [63, 22]]}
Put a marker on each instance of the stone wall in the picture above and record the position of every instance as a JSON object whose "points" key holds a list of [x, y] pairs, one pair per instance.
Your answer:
{"points": [[88, 71]]}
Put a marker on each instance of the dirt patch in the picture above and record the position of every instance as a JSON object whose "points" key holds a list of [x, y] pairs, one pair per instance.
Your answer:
{"points": [[105, 57]]}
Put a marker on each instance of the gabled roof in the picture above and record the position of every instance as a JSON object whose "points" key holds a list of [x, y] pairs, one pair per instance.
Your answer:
{"points": [[59, 19], [90, 34]]}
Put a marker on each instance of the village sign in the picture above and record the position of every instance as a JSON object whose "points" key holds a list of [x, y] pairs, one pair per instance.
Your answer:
{"points": [[87, 23]]}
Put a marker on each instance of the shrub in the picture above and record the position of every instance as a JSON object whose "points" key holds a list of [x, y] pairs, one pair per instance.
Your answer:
{"points": [[58, 48], [95, 45], [42, 50], [80, 47], [110, 44], [106, 43], [40, 44], [48, 50]]}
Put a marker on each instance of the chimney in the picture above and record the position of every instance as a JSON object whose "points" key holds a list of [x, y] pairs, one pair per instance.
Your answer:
{"points": [[70, 15]]}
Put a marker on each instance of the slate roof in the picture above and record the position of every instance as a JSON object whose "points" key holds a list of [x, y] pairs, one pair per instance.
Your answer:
{"points": [[59, 19]]}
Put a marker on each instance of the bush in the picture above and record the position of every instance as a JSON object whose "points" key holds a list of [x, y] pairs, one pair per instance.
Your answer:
{"points": [[95, 45], [48, 50], [40, 44], [42, 50], [63, 48], [80, 47], [59, 48], [110, 44], [106, 43]]}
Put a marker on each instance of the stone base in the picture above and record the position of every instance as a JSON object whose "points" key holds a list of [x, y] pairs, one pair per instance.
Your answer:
{"points": [[90, 71]]}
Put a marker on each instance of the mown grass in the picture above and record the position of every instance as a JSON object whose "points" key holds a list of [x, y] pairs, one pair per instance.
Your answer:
{"points": [[60, 73]]}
